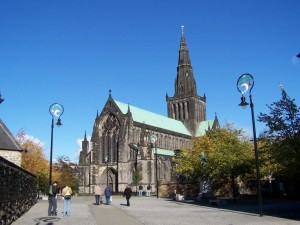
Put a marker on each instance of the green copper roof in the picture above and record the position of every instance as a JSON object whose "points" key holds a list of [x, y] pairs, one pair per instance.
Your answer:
{"points": [[161, 151], [153, 119], [203, 127]]}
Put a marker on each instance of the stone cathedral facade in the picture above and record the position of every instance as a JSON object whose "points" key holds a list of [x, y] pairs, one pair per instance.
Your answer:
{"points": [[120, 139]]}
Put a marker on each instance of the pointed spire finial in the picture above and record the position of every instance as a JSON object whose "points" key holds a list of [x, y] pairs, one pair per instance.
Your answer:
{"points": [[85, 139], [182, 28], [128, 109], [109, 92]]}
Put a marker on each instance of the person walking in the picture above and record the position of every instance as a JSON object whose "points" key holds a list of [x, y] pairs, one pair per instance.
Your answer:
{"points": [[107, 193], [97, 192], [66, 194], [127, 193], [140, 190], [148, 190], [53, 189]]}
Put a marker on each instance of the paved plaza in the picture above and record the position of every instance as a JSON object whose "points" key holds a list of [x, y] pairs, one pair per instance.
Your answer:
{"points": [[153, 211]]}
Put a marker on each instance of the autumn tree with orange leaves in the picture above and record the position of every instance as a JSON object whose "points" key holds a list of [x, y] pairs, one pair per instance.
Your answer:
{"points": [[34, 160]]}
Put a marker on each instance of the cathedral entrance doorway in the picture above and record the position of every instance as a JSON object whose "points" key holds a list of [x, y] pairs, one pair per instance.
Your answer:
{"points": [[109, 178]]}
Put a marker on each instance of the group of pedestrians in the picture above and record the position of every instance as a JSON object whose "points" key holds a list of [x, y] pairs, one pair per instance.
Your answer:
{"points": [[107, 193], [52, 200], [67, 194], [148, 190]]}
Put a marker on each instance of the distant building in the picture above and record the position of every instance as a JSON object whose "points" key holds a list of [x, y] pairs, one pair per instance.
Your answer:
{"points": [[120, 129], [10, 149]]}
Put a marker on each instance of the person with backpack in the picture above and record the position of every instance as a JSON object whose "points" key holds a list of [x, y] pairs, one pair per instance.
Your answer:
{"points": [[53, 189], [107, 193], [67, 194]]}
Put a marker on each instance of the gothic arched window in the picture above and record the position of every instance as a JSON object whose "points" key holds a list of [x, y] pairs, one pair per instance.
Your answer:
{"points": [[110, 136]]}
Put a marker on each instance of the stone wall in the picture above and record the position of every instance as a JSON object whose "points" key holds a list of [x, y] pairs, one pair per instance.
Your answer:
{"points": [[17, 191], [169, 190]]}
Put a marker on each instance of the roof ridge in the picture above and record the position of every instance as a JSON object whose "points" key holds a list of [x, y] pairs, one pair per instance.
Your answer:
{"points": [[154, 119]]}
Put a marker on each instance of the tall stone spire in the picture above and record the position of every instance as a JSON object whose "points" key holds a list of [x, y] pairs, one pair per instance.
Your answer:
{"points": [[85, 149], [186, 105], [185, 84]]}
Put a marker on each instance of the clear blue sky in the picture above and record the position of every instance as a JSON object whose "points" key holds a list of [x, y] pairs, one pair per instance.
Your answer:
{"points": [[74, 51]]}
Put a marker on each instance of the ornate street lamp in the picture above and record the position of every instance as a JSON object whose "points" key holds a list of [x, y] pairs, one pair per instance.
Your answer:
{"points": [[153, 140], [90, 162], [203, 179], [245, 83], [56, 110], [106, 161]]}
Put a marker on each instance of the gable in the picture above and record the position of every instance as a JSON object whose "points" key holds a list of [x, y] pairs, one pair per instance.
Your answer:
{"points": [[7, 140], [203, 127], [149, 118]]}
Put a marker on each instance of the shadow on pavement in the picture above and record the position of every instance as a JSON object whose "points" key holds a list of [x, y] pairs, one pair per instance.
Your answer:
{"points": [[50, 220], [283, 208]]}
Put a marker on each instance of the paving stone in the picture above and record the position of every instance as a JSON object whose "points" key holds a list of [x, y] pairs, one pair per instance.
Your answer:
{"points": [[153, 211]]}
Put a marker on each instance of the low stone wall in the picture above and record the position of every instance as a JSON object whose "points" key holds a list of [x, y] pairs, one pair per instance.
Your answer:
{"points": [[17, 191], [169, 190]]}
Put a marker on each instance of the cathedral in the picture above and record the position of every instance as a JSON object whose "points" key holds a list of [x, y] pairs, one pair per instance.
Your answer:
{"points": [[126, 137]]}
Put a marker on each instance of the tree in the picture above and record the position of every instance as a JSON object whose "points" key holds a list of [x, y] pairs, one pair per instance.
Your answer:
{"points": [[283, 123], [34, 160], [231, 153], [137, 175], [65, 173], [228, 153]]}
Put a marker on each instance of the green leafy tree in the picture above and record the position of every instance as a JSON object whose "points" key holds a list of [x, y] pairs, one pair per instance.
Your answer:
{"points": [[137, 175], [231, 153], [269, 165], [228, 153], [283, 123]]}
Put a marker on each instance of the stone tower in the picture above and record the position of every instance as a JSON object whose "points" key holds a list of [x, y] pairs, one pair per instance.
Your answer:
{"points": [[186, 105]]}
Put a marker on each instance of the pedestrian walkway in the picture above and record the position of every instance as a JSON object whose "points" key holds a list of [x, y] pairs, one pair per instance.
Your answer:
{"points": [[153, 211], [83, 212]]}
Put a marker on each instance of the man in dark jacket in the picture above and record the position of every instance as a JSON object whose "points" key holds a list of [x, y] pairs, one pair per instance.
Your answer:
{"points": [[107, 193], [52, 199], [127, 193]]}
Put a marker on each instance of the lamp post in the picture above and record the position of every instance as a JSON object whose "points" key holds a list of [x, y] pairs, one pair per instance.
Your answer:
{"points": [[203, 178], [245, 83], [90, 159], [1, 99], [106, 161], [153, 139], [135, 147], [56, 110]]}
